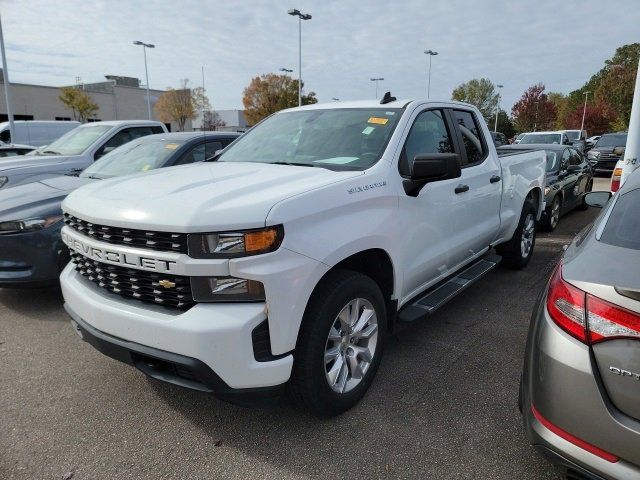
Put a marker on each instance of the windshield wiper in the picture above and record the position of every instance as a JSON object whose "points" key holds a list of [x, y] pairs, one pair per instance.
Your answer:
{"points": [[52, 152], [296, 164]]}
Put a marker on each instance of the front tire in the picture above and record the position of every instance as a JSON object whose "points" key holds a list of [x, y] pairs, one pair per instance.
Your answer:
{"points": [[340, 343], [517, 252]]}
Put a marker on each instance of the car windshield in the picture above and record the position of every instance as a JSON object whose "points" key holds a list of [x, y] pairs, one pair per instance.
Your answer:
{"points": [[552, 161], [573, 134], [74, 142], [612, 141], [623, 226], [531, 138], [336, 139], [132, 158]]}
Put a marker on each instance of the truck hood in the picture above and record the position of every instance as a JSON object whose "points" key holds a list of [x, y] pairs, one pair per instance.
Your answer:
{"points": [[31, 161], [198, 197], [37, 198]]}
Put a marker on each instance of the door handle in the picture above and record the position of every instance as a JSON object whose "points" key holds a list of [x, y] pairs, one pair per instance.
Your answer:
{"points": [[494, 179], [462, 188]]}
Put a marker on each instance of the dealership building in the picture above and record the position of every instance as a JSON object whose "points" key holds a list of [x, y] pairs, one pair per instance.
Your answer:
{"points": [[118, 98]]}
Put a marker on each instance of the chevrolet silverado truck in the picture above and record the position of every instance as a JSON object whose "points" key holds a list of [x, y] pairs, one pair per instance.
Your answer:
{"points": [[284, 263]]}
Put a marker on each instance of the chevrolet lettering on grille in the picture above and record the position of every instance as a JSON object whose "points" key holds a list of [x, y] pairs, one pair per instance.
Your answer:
{"points": [[116, 257]]}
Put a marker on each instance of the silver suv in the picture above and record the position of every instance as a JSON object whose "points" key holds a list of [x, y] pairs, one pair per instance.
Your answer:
{"points": [[580, 390]]}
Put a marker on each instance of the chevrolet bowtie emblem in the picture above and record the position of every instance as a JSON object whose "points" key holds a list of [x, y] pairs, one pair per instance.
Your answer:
{"points": [[166, 283]]}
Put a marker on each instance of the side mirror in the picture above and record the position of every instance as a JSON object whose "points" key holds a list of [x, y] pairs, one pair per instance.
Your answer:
{"points": [[597, 199], [431, 167], [215, 156]]}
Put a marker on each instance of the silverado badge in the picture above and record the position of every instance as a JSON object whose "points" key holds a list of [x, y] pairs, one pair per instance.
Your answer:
{"points": [[166, 283]]}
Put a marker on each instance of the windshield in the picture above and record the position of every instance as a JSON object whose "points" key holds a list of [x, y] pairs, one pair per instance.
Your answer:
{"points": [[74, 142], [573, 134], [552, 161], [541, 138], [337, 139], [612, 140], [132, 158]]}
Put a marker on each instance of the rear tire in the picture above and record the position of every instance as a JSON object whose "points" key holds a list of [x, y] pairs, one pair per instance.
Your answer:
{"points": [[340, 344], [517, 252]]}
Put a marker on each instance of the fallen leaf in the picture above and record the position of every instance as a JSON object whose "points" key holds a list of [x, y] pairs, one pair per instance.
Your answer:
{"points": [[217, 443]]}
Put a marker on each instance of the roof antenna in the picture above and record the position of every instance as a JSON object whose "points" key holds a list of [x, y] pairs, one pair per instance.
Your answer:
{"points": [[387, 98]]}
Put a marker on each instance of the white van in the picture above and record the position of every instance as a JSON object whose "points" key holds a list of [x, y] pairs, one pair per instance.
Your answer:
{"points": [[35, 132]]}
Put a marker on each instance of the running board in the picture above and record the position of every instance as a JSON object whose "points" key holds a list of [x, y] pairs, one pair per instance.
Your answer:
{"points": [[442, 293]]}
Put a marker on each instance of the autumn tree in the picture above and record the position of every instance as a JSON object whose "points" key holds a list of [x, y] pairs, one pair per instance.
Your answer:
{"points": [[598, 118], [534, 111], [212, 120], [479, 92], [270, 93], [181, 104], [79, 102]]}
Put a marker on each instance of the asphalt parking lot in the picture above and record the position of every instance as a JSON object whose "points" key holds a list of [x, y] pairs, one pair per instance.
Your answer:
{"points": [[443, 404]]}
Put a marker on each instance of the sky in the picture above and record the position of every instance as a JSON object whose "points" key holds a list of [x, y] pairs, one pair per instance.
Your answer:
{"points": [[515, 43]]}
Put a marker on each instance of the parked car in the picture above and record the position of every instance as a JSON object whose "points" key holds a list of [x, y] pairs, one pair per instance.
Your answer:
{"points": [[499, 139], [569, 179], [286, 260], [74, 151], [591, 141], [575, 135], [35, 132], [545, 138], [607, 151], [580, 389], [11, 150], [31, 250], [519, 137]]}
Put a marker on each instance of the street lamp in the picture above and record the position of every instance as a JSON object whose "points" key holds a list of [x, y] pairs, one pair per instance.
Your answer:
{"points": [[495, 129], [286, 70], [584, 110], [535, 123], [430, 53], [146, 71], [377, 80], [301, 16]]}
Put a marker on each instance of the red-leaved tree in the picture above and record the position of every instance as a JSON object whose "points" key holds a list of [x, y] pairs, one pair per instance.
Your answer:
{"points": [[598, 118], [534, 110]]}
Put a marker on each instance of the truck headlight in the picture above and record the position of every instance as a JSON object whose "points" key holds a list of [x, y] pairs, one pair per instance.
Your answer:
{"points": [[226, 289], [547, 190], [28, 225], [235, 244], [3, 180]]}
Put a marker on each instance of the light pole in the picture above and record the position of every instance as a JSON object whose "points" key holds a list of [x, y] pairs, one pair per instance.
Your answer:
{"points": [[377, 80], [286, 70], [495, 129], [146, 71], [301, 16], [584, 111], [430, 53], [535, 122], [7, 84]]}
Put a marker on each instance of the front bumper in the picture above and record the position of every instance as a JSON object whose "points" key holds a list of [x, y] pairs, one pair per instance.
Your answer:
{"points": [[214, 340], [33, 258], [560, 381]]}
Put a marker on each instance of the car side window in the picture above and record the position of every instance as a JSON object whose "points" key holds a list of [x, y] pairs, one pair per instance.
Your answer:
{"points": [[122, 137], [428, 134], [474, 144], [195, 154], [211, 148], [157, 129]]}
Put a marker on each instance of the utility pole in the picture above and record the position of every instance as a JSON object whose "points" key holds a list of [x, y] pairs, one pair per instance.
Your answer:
{"points": [[377, 80], [430, 53], [7, 85], [584, 111], [301, 16], [495, 129], [146, 71]]}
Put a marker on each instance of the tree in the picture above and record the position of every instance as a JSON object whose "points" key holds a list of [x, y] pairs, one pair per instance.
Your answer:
{"points": [[505, 125], [534, 110], [598, 118], [270, 93], [180, 105], [212, 120], [80, 103], [479, 92]]}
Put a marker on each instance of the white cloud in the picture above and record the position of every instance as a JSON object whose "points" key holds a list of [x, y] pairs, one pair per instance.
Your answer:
{"points": [[344, 45]]}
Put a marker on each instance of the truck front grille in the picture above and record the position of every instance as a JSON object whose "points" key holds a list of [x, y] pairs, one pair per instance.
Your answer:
{"points": [[161, 241], [137, 284]]}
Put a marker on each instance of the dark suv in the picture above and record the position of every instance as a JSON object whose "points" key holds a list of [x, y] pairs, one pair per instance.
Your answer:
{"points": [[607, 151]]}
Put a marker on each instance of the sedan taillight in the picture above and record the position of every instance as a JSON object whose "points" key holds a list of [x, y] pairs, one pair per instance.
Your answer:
{"points": [[586, 317], [615, 180]]}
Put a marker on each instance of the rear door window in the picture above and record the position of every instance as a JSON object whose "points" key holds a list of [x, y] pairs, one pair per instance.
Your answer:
{"points": [[623, 227], [472, 138]]}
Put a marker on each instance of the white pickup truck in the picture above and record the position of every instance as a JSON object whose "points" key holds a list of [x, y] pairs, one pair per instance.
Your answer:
{"points": [[286, 262]]}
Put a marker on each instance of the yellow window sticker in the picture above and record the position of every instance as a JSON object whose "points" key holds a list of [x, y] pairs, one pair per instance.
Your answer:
{"points": [[171, 146], [379, 121]]}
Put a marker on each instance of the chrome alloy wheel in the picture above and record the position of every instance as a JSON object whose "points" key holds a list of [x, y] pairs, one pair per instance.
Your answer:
{"points": [[351, 345], [528, 235], [555, 214]]}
